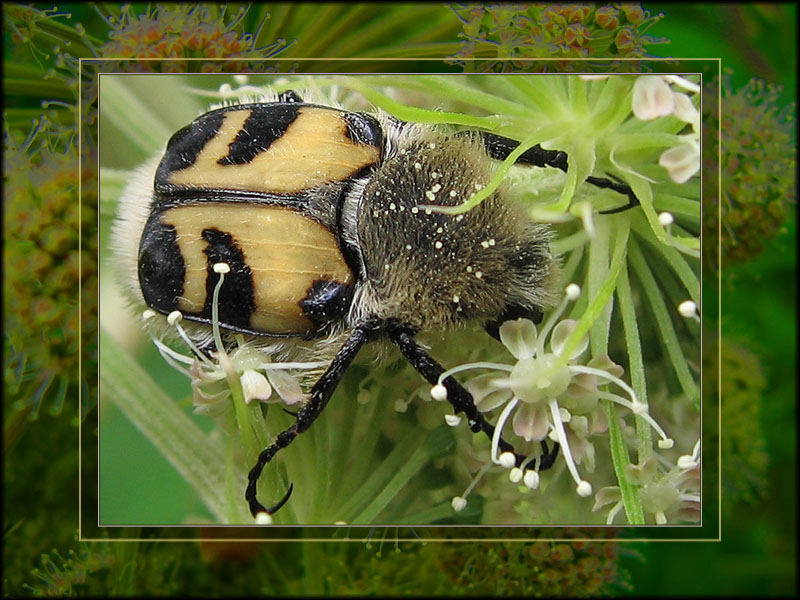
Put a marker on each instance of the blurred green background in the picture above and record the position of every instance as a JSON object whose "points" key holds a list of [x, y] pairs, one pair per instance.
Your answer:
{"points": [[757, 553]]}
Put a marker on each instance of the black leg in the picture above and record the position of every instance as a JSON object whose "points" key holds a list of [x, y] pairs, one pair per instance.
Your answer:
{"points": [[459, 398], [500, 147], [320, 395], [619, 187]]}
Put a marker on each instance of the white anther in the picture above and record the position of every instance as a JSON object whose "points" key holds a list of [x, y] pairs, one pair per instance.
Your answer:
{"points": [[452, 420], [459, 503], [531, 479], [439, 392], [573, 291], [221, 267], [174, 317], [687, 308], [263, 518], [507, 460]]}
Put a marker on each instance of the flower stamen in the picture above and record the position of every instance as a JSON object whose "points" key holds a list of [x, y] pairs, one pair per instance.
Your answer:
{"points": [[498, 430], [571, 293], [584, 488], [638, 408], [221, 269], [466, 367], [459, 503], [174, 318]]}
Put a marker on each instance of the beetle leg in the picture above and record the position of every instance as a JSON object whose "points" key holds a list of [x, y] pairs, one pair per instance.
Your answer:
{"points": [[618, 186], [320, 395], [457, 395], [500, 147]]}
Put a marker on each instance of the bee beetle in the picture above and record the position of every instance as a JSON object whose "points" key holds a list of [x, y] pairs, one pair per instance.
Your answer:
{"points": [[324, 219]]}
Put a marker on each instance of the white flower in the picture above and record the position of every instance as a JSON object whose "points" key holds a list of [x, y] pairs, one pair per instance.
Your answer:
{"points": [[549, 394], [653, 98], [682, 162], [211, 373], [666, 493]]}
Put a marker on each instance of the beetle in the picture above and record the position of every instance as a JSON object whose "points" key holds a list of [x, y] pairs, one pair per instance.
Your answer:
{"points": [[326, 222]]}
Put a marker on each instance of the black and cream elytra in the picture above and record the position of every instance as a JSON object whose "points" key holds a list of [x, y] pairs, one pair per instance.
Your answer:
{"points": [[323, 219]]}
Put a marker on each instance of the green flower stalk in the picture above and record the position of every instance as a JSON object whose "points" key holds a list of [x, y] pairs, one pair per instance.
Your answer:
{"points": [[383, 452]]}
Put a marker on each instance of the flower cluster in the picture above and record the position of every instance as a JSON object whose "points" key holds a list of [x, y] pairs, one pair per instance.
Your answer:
{"points": [[654, 98], [182, 31], [758, 152], [507, 33], [551, 397], [575, 565], [667, 493], [45, 264]]}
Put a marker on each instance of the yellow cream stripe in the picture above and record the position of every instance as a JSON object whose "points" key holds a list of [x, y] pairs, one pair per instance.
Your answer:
{"points": [[273, 239], [314, 150]]}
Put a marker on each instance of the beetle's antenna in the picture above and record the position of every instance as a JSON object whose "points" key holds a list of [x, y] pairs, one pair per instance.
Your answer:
{"points": [[320, 395], [459, 398]]}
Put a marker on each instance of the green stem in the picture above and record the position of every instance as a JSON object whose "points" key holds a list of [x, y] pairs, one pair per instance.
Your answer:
{"points": [[138, 125], [663, 321], [605, 291], [635, 359], [394, 473], [674, 259], [251, 446], [597, 274], [621, 458], [196, 456]]}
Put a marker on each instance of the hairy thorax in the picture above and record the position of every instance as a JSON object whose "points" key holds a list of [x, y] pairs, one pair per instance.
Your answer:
{"points": [[429, 269]]}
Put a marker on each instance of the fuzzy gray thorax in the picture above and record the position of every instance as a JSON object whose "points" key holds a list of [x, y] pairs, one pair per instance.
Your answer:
{"points": [[427, 269]]}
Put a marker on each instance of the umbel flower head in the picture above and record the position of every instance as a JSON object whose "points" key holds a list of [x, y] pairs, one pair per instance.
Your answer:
{"points": [[666, 493], [42, 268], [504, 33], [758, 152], [743, 447], [545, 393], [550, 395], [183, 31]]}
